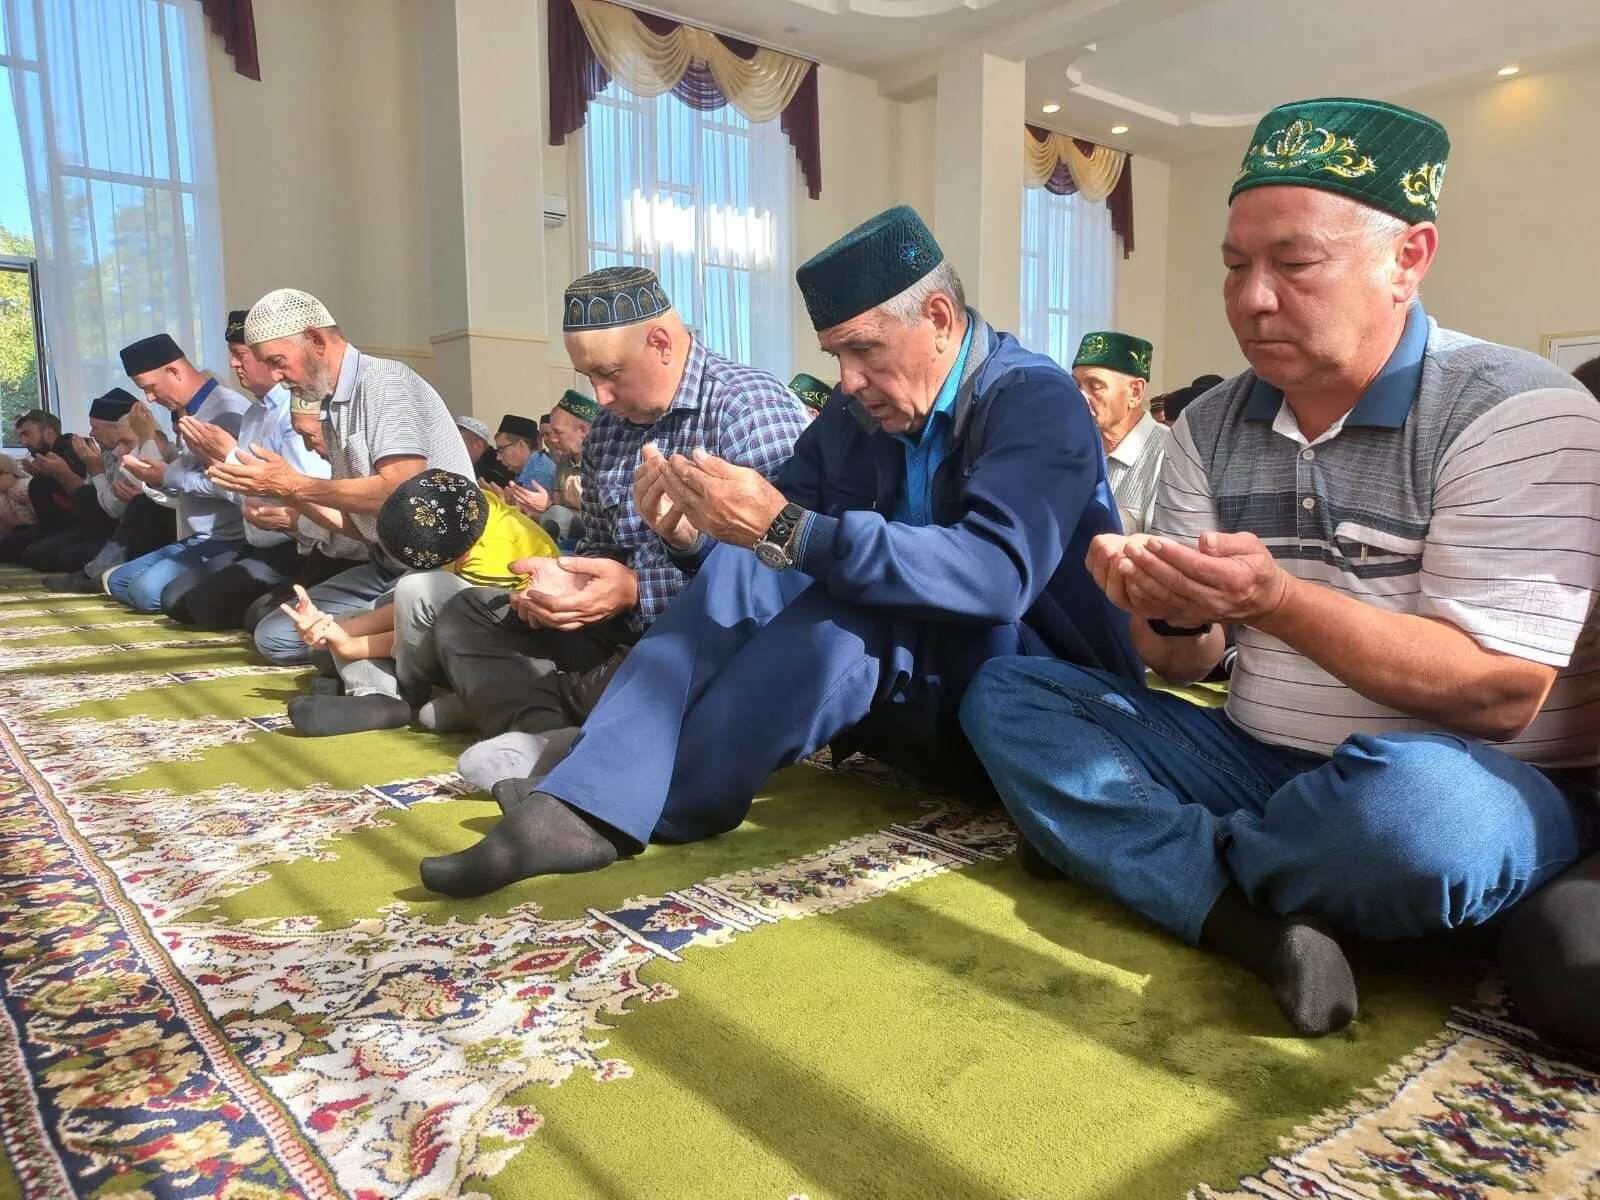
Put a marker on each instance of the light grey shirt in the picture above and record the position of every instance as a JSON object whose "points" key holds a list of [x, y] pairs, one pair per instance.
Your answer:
{"points": [[205, 510], [1132, 470], [382, 409], [267, 425]]}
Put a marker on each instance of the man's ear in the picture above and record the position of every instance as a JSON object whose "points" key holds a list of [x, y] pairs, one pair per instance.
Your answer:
{"points": [[660, 342]]}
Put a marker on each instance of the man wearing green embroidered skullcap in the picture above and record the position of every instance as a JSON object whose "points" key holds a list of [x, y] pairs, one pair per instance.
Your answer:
{"points": [[559, 511], [1112, 371], [938, 512], [812, 391], [1397, 524]]}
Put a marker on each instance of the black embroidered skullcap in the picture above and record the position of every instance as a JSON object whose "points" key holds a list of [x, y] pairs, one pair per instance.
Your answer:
{"points": [[432, 519], [874, 262], [525, 428], [150, 354], [613, 296], [235, 330], [113, 406]]}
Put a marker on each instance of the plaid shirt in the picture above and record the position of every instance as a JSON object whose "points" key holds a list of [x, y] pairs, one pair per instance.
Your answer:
{"points": [[736, 412]]}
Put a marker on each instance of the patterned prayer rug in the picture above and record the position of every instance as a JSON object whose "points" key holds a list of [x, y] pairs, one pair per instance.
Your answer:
{"points": [[221, 978]]}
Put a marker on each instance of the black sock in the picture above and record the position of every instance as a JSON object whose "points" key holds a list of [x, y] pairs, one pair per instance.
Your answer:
{"points": [[539, 835], [1034, 863], [324, 716], [1298, 955], [1550, 957]]}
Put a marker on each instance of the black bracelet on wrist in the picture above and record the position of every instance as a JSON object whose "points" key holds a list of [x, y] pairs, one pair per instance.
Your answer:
{"points": [[1166, 630]]}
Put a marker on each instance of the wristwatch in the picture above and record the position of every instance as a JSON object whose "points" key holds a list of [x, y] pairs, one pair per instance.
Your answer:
{"points": [[773, 548]]}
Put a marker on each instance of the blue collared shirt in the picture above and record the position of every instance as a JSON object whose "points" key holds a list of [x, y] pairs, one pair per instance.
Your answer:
{"points": [[1387, 401], [924, 455]]}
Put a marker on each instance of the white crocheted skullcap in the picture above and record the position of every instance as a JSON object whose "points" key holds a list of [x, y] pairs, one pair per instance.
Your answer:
{"points": [[473, 425], [286, 312]]}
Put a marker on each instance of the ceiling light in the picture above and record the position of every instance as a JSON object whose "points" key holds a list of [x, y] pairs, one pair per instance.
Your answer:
{"points": [[1051, 108], [1508, 71], [1119, 129]]}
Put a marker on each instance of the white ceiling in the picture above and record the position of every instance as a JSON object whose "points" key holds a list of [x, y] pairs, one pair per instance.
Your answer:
{"points": [[1183, 75]]}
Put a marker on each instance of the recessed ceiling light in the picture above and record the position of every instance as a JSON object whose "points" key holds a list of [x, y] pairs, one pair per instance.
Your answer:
{"points": [[1508, 70], [1052, 108], [1119, 129]]}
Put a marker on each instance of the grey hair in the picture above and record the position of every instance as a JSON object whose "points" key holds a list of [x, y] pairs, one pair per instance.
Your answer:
{"points": [[1379, 228], [941, 281]]}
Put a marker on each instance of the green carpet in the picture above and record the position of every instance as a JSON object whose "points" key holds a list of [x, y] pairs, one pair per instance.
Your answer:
{"points": [[221, 978]]}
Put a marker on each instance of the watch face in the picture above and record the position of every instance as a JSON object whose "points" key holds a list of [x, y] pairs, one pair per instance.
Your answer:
{"points": [[770, 554]]}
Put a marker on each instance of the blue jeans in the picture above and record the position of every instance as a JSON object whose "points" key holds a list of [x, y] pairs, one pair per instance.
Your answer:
{"points": [[1162, 804], [353, 590], [139, 583]]}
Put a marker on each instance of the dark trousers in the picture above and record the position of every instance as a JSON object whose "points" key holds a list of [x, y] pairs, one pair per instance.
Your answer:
{"points": [[145, 527], [512, 676], [71, 548], [17, 541], [311, 570], [218, 594]]}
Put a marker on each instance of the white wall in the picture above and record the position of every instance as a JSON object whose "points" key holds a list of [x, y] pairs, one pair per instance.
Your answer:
{"points": [[1141, 281], [325, 186], [320, 168], [1518, 259]]}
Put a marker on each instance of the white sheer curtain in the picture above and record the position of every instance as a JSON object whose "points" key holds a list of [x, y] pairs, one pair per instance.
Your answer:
{"points": [[703, 199], [114, 112], [1068, 271]]}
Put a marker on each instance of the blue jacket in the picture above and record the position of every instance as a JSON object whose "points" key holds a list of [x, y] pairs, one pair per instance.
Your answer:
{"points": [[1016, 502]]}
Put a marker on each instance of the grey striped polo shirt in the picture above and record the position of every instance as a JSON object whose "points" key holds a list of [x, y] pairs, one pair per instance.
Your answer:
{"points": [[382, 409], [1465, 486]]}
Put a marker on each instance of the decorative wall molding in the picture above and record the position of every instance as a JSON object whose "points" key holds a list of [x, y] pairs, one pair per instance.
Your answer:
{"points": [[493, 335]]}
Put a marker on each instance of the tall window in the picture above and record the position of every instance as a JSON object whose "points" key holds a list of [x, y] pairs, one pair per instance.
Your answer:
{"points": [[112, 111], [1068, 271], [703, 199]]}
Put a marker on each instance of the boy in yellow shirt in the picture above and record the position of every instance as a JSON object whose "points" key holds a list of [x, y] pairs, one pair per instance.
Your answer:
{"points": [[453, 535]]}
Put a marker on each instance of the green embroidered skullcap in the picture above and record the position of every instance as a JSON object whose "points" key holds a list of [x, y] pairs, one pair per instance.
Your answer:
{"points": [[613, 296], [1380, 154], [1116, 352], [874, 262], [812, 391], [578, 405]]}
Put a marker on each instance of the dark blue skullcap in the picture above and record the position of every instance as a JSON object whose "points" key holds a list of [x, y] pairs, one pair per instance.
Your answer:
{"points": [[613, 296]]}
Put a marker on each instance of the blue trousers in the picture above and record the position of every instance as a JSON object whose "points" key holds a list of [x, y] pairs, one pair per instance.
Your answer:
{"points": [[140, 582], [751, 669], [1162, 804]]}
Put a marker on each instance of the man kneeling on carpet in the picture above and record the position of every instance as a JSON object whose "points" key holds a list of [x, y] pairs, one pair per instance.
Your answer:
{"points": [[451, 535], [936, 519], [1399, 522]]}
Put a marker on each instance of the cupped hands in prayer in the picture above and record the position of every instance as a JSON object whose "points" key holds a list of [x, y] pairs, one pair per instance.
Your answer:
{"points": [[1229, 578], [211, 442], [730, 503], [258, 472], [656, 507], [569, 593]]}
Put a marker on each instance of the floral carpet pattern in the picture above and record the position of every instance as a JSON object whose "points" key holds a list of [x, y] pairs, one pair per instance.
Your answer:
{"points": [[150, 1047]]}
